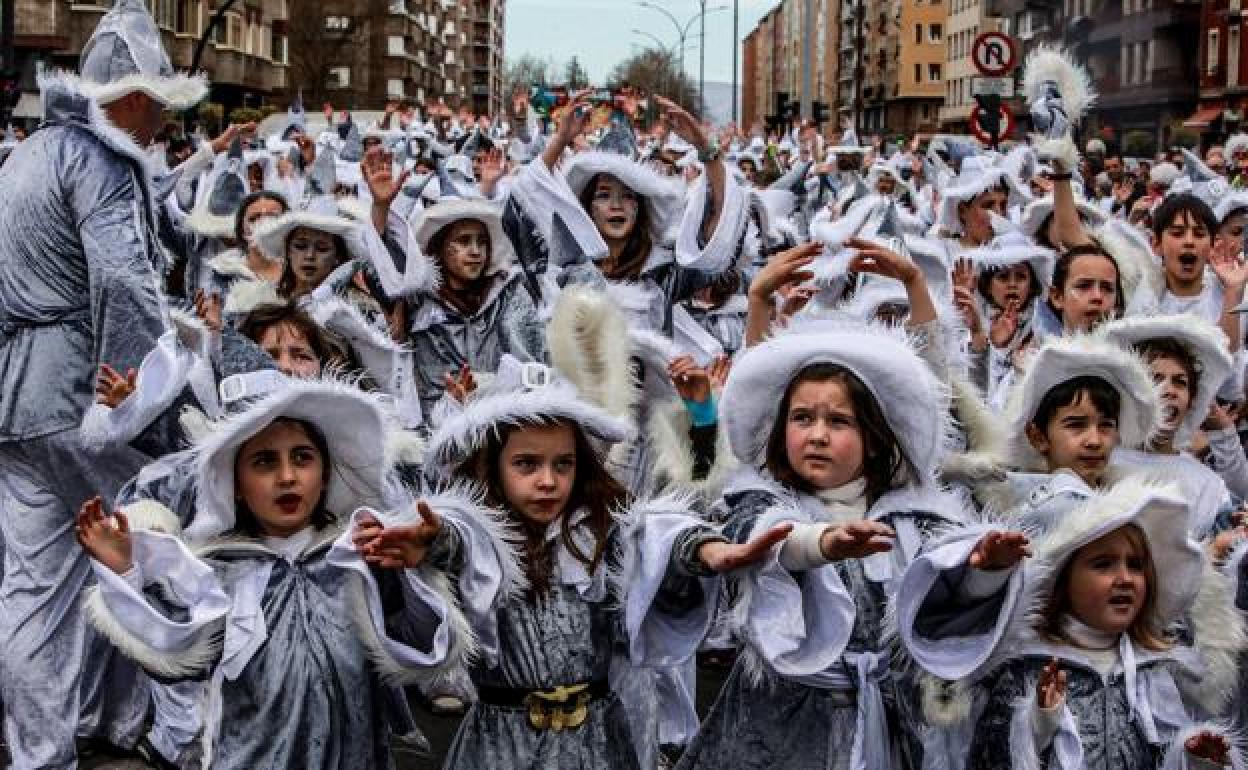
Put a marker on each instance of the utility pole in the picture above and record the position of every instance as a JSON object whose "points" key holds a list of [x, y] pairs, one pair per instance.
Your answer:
{"points": [[9, 52], [808, 55], [736, 51]]}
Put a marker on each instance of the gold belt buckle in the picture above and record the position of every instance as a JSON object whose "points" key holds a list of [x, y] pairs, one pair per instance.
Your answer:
{"points": [[548, 709]]}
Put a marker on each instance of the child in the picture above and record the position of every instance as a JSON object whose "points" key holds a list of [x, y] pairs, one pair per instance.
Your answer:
{"points": [[853, 475], [614, 587], [1189, 361], [282, 616], [1094, 679]]}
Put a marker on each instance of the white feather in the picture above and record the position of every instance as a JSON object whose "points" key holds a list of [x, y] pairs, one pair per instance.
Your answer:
{"points": [[1054, 63]]}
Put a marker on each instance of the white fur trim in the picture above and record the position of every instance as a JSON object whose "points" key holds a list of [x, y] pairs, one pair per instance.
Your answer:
{"points": [[270, 235], [1060, 153], [246, 296], [404, 447], [444, 213], [588, 345], [179, 92], [945, 704], [1220, 638], [1176, 755], [1137, 266], [201, 657], [1047, 63], [661, 195]]}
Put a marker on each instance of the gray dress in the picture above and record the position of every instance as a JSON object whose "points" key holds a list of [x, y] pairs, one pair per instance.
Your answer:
{"points": [[762, 719], [80, 270]]}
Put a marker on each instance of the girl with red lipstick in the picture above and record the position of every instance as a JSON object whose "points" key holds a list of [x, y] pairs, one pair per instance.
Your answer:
{"points": [[286, 606]]}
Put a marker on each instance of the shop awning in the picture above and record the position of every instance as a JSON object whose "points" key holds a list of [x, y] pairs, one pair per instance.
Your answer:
{"points": [[1203, 117]]}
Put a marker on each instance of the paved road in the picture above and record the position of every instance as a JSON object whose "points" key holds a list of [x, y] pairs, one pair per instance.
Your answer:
{"points": [[439, 730]]}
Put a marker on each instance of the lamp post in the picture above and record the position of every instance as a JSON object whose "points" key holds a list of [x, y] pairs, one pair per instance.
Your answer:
{"points": [[682, 32]]}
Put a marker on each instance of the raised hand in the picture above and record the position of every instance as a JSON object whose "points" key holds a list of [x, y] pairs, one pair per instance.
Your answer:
{"points": [[1209, 746], [874, 258], [718, 371], [964, 300], [691, 381], [1051, 688], [725, 557], [105, 537], [785, 268], [378, 169], [493, 169], [111, 388], [1228, 264], [462, 385], [1004, 326], [307, 148], [404, 546], [964, 274], [685, 125], [1048, 113], [1000, 550], [856, 540], [208, 310], [222, 143]]}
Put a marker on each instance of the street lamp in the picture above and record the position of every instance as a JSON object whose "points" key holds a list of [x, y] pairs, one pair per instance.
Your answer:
{"points": [[682, 31]]}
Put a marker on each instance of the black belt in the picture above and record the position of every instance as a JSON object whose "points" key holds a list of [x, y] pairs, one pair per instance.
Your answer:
{"points": [[565, 707]]}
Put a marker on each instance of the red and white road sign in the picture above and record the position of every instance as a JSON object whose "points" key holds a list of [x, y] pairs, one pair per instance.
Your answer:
{"points": [[994, 54], [1007, 125]]}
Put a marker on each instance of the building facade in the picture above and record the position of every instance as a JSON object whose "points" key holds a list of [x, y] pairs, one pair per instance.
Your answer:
{"points": [[773, 53], [921, 61], [967, 20], [1223, 71], [246, 57]]}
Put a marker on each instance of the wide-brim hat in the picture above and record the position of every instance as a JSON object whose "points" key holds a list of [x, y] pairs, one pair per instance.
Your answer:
{"points": [[521, 393], [1160, 512], [125, 55], [1229, 204], [323, 215], [446, 212], [351, 421], [663, 196], [1206, 343], [913, 400], [1062, 359], [976, 177]]}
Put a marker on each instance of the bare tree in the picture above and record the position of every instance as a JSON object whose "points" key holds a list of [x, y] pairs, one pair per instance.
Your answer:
{"points": [[655, 72], [527, 71], [574, 75]]}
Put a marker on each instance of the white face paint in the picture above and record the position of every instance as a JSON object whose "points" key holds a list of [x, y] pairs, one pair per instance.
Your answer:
{"points": [[465, 253], [312, 255], [614, 208]]}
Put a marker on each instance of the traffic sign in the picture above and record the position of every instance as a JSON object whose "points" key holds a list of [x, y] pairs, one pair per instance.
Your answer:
{"points": [[1006, 125], [1002, 87], [994, 54]]}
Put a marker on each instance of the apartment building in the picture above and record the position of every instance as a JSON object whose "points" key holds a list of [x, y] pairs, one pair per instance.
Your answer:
{"points": [[966, 20]]}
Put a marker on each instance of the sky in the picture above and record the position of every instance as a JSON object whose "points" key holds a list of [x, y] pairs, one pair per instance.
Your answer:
{"points": [[600, 32]]}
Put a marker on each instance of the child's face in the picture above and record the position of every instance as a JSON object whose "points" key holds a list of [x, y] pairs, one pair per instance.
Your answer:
{"points": [[289, 348], [822, 439], [1010, 284], [1233, 227], [538, 471], [1184, 248], [313, 255], [976, 215], [1175, 390], [465, 253], [1108, 585], [1090, 293], [279, 474], [1078, 438], [614, 208]]}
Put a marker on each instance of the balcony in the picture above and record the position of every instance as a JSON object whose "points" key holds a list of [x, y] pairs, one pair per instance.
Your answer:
{"points": [[1167, 84]]}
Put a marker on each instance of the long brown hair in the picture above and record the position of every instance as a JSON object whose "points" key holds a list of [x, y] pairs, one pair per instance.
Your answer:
{"points": [[469, 299], [593, 489], [1144, 630], [640, 243], [885, 466]]}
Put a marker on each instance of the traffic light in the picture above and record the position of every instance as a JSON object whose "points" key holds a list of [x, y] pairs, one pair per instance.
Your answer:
{"points": [[782, 104], [989, 114], [820, 113]]}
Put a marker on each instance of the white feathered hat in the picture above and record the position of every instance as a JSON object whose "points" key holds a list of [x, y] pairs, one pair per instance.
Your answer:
{"points": [[912, 398], [448, 211], [1014, 248], [662, 196], [521, 393], [351, 421], [125, 55], [1062, 359], [1237, 200], [1204, 342], [976, 177], [1040, 209]]}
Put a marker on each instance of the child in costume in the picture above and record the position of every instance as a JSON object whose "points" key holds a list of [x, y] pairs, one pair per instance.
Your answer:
{"points": [[854, 475], [614, 586], [292, 620]]}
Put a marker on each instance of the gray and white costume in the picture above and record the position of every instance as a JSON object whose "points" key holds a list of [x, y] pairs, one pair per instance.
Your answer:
{"points": [[80, 271]]}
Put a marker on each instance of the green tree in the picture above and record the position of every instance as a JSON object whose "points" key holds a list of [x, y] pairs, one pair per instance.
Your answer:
{"points": [[574, 75]]}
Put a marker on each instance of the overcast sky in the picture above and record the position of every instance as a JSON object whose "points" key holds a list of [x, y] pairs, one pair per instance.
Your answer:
{"points": [[600, 32]]}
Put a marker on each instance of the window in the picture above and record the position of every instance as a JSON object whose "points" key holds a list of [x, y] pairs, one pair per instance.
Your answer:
{"points": [[339, 77], [1128, 59], [1211, 55], [934, 33], [918, 73], [395, 88], [397, 47], [187, 22], [1232, 56], [918, 33], [337, 23], [933, 73]]}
